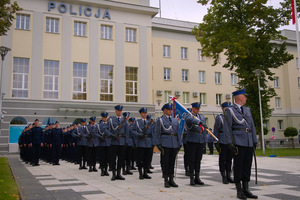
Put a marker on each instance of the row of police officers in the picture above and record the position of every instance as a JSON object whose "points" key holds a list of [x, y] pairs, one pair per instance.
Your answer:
{"points": [[113, 140]]}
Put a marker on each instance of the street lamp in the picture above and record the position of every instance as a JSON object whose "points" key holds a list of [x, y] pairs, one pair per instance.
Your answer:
{"points": [[258, 72], [3, 52]]}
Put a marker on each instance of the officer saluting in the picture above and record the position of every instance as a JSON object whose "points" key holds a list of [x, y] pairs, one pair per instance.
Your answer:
{"points": [[56, 136], [169, 143], [90, 133], [195, 139], [241, 139], [225, 154]]}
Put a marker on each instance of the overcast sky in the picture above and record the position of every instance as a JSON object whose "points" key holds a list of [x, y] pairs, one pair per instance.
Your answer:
{"points": [[190, 10]]}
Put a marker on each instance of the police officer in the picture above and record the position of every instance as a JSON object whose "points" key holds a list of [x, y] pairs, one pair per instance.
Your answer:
{"points": [[28, 151], [145, 132], [22, 144], [118, 128], [242, 140], [195, 139], [169, 143], [36, 142], [92, 144], [210, 143], [104, 143], [81, 144], [185, 147], [225, 155], [129, 148], [57, 143]]}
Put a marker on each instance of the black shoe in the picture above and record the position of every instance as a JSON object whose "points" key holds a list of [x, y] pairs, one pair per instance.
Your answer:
{"points": [[95, 170], [84, 167], [90, 170], [133, 168], [224, 178], [166, 181], [171, 182], [151, 167], [102, 171], [247, 192], [229, 179], [197, 179], [113, 175], [119, 177], [146, 176], [129, 172], [192, 180], [239, 192], [80, 168], [149, 171]]}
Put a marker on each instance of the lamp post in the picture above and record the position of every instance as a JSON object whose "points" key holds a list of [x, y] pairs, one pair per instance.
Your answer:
{"points": [[258, 72], [3, 52]]}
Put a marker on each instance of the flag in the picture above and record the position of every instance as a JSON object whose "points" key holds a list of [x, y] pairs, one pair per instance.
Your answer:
{"points": [[179, 112], [293, 12]]}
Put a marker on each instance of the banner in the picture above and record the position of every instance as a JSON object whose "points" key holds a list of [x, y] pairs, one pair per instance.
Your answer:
{"points": [[179, 112]]}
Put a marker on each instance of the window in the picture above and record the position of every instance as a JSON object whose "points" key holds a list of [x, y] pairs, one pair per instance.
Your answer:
{"points": [[200, 57], [298, 82], [106, 83], [297, 63], [218, 77], [106, 32], [79, 81], [203, 98], [131, 84], [233, 79], [186, 97], [218, 99], [52, 25], [166, 53], [22, 21], [280, 124], [267, 124], [201, 76], [277, 102], [167, 74], [183, 53], [130, 35], [20, 77], [51, 76], [80, 29], [167, 98], [185, 75], [276, 82]]}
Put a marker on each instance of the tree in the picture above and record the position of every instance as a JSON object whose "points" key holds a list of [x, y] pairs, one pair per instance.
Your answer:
{"points": [[7, 11], [245, 31], [291, 132]]}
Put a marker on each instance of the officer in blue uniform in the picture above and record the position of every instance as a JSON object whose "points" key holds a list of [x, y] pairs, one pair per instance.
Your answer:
{"points": [[28, 151], [225, 154], [154, 143], [57, 143], [90, 133], [118, 128], [144, 130], [129, 149], [241, 139], [36, 142], [104, 143], [169, 143], [195, 139], [134, 139], [210, 143], [22, 144], [81, 144]]}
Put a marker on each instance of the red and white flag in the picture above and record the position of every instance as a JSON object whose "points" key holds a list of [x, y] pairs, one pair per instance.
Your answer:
{"points": [[293, 12]]}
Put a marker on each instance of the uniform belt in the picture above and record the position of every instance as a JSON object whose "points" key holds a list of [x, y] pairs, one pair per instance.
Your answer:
{"points": [[121, 135], [247, 130], [148, 136], [171, 134]]}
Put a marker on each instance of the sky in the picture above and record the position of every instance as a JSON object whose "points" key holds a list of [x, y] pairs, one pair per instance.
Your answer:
{"points": [[190, 10]]}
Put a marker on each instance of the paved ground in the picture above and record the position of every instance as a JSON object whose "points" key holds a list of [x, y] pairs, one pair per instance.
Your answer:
{"points": [[278, 178]]}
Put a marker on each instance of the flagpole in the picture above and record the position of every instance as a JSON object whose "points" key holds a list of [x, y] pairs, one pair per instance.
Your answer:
{"points": [[297, 34]]}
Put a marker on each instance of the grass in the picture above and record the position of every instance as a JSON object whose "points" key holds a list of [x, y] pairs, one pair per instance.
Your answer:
{"points": [[9, 189], [279, 152]]}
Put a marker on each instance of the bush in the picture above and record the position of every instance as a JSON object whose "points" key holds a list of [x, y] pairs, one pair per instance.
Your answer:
{"points": [[291, 132]]}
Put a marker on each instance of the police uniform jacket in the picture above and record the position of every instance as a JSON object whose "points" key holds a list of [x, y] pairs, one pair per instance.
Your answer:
{"points": [[218, 128], [122, 133], [56, 136], [36, 135], [168, 132], [103, 134], [194, 131], [242, 127], [131, 136], [90, 134], [139, 129], [78, 133]]}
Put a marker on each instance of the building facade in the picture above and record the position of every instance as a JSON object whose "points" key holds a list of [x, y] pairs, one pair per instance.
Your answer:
{"points": [[73, 59]]}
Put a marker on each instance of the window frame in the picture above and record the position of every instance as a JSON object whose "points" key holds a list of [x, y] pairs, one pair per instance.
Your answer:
{"points": [[201, 79], [167, 76], [184, 53], [54, 78], [22, 21], [110, 84], [166, 54], [51, 26], [185, 97], [135, 86], [218, 79], [84, 88], [106, 32], [130, 34], [185, 75], [218, 99], [80, 28], [202, 98], [277, 102], [25, 77]]}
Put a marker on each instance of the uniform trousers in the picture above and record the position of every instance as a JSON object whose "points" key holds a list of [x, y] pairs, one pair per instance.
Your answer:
{"points": [[195, 156], [211, 147], [168, 158], [36, 153], [225, 158], [128, 155], [56, 152], [104, 156], [242, 164], [117, 152], [81, 156], [185, 156], [92, 155], [143, 156]]}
